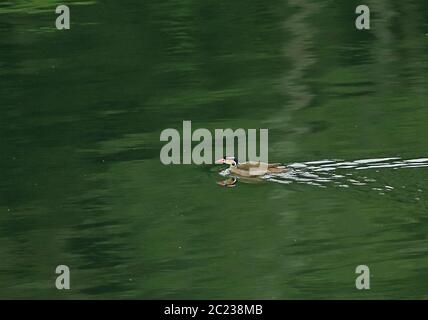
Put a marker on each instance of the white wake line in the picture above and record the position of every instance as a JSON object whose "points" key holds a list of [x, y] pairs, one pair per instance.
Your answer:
{"points": [[323, 173], [363, 164]]}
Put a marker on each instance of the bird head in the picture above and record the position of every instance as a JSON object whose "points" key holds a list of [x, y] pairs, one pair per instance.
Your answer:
{"points": [[232, 161]]}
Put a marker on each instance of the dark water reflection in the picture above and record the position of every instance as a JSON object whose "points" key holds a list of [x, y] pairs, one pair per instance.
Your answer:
{"points": [[81, 183]]}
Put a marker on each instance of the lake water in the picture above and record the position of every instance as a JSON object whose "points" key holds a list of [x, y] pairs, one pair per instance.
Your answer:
{"points": [[81, 183]]}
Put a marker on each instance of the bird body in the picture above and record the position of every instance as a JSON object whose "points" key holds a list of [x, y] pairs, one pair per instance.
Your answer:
{"points": [[251, 168]]}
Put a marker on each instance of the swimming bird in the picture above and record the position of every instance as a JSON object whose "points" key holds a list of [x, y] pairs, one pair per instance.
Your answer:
{"points": [[251, 168]]}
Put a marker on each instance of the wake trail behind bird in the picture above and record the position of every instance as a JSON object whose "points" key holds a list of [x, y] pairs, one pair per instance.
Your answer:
{"points": [[342, 173]]}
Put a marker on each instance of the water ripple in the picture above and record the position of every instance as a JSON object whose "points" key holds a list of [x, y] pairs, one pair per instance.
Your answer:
{"points": [[342, 173]]}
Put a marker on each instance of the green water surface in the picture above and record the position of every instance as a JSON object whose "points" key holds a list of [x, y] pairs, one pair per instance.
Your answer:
{"points": [[81, 182]]}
